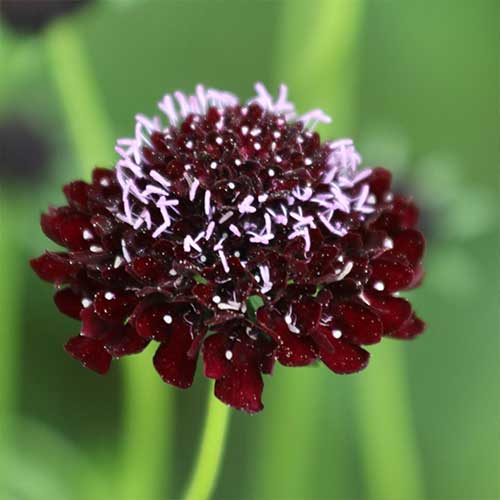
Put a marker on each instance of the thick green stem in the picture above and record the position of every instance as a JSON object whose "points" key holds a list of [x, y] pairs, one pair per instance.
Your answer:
{"points": [[9, 306], [86, 118], [145, 468], [209, 459], [388, 444], [146, 407]]}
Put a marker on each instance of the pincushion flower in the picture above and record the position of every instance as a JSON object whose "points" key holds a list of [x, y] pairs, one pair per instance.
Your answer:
{"points": [[33, 16], [232, 231], [25, 152]]}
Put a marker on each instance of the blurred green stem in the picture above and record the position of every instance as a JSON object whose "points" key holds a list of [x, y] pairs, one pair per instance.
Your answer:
{"points": [[148, 419], [387, 436], [10, 301], [209, 459], [146, 406], [86, 118]]}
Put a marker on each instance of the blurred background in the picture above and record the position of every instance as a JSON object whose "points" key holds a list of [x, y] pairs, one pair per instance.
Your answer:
{"points": [[416, 85]]}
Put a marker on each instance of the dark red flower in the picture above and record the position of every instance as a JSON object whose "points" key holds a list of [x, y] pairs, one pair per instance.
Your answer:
{"points": [[25, 151], [234, 231], [32, 16]]}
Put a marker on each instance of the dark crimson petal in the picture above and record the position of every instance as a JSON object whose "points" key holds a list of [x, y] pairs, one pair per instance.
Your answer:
{"points": [[293, 349], [267, 364], [412, 327], [380, 182], [307, 313], [387, 221], [345, 288], [359, 324], [344, 358], [94, 327], [68, 302], [171, 359], [296, 351], [393, 275], [54, 268], [89, 352], [114, 306], [214, 355], [407, 212], [51, 222], [76, 231], [323, 262], [241, 388], [393, 311], [411, 244], [103, 176], [204, 293], [418, 277], [149, 269], [157, 321], [77, 194], [125, 341]]}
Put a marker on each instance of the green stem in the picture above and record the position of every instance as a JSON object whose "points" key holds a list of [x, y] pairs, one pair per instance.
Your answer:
{"points": [[86, 118], [146, 407], [388, 444], [9, 305], [144, 459], [209, 459]]}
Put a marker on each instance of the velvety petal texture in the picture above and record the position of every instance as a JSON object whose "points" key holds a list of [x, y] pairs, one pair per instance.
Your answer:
{"points": [[229, 232]]}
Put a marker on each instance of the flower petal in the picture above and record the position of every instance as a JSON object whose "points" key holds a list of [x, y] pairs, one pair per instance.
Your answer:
{"points": [[76, 193], [411, 244], [171, 359], [412, 327], [407, 212], [149, 269], [344, 358], [214, 355], [359, 324], [391, 274], [393, 311], [293, 349], [124, 342], [89, 352], [114, 306], [157, 321], [380, 182], [54, 268], [93, 326], [68, 302], [241, 388]]}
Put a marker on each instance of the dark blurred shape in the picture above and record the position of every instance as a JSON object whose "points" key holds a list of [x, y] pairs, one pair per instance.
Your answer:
{"points": [[32, 16], [25, 152]]}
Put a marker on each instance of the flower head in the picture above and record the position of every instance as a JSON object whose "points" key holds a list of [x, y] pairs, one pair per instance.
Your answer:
{"points": [[233, 231], [25, 152], [32, 16]]}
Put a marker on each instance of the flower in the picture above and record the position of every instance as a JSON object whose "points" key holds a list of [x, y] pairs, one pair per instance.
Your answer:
{"points": [[32, 16], [25, 152], [234, 232]]}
